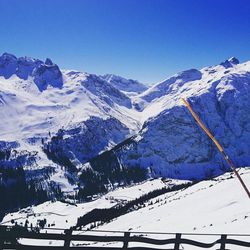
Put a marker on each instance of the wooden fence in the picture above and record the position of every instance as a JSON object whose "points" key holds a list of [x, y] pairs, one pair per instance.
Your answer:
{"points": [[10, 239]]}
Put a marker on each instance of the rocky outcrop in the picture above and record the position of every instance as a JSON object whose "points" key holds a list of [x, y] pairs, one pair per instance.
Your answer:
{"points": [[230, 62], [44, 73], [47, 74], [81, 142], [8, 65]]}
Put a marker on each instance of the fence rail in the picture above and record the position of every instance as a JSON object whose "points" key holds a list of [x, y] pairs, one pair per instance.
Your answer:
{"points": [[10, 239]]}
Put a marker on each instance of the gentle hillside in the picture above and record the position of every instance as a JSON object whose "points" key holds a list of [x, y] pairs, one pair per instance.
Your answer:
{"points": [[214, 206]]}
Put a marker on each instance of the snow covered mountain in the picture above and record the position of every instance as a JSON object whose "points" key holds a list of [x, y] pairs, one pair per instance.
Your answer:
{"points": [[43, 98], [170, 142], [59, 119], [77, 134]]}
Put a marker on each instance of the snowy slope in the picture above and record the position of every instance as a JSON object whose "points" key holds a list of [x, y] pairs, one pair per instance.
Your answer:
{"points": [[29, 112], [64, 215], [213, 206], [37, 97], [163, 88], [216, 205]]}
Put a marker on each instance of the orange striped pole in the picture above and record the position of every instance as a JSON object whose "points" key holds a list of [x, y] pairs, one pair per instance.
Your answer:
{"points": [[230, 163]]}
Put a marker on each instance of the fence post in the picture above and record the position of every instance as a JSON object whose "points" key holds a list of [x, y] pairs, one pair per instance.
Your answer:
{"points": [[126, 239], [1, 244], [177, 242], [68, 233], [223, 242], [2, 236]]}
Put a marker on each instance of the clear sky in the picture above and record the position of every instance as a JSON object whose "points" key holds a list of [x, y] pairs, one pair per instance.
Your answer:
{"points": [[147, 40]]}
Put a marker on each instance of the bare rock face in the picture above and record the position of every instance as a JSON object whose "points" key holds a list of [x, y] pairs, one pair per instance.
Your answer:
{"points": [[85, 140], [230, 62], [25, 67], [47, 74], [8, 65]]}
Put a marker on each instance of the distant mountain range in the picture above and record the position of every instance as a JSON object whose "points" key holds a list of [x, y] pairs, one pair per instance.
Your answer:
{"points": [[74, 133]]}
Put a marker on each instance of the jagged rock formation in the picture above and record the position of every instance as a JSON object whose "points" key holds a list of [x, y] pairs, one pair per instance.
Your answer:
{"points": [[44, 73]]}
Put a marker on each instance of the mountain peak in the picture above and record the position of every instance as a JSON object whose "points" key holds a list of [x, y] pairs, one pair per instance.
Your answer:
{"points": [[8, 65], [48, 61], [160, 89], [44, 73], [233, 60], [8, 55], [230, 62]]}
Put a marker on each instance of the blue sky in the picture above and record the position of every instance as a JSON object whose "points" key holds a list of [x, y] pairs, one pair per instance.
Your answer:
{"points": [[147, 40]]}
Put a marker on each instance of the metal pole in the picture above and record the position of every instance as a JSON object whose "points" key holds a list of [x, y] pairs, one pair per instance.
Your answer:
{"points": [[230, 163]]}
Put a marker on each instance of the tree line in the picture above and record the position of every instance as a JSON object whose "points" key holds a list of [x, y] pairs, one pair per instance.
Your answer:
{"points": [[107, 214]]}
